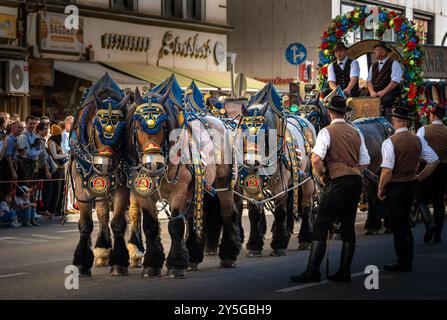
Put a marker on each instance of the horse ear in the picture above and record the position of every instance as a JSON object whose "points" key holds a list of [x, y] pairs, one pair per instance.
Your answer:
{"points": [[138, 97], [244, 110]]}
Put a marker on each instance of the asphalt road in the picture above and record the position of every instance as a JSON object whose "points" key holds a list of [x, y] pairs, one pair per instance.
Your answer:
{"points": [[33, 260]]}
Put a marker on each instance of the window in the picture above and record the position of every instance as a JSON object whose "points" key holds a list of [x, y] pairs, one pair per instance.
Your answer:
{"points": [[173, 8], [194, 9], [183, 9], [424, 28], [124, 5]]}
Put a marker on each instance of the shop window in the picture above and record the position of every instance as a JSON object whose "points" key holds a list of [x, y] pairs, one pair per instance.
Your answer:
{"points": [[124, 5], [424, 27]]}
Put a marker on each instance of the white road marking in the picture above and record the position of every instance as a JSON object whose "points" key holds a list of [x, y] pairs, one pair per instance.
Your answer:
{"points": [[26, 241], [13, 275], [310, 285], [43, 236], [7, 238], [67, 231]]}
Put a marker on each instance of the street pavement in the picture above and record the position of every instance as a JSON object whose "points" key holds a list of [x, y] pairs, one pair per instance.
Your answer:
{"points": [[33, 260]]}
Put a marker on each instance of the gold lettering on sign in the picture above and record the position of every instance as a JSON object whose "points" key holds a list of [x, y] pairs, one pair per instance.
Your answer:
{"points": [[125, 42], [189, 48]]}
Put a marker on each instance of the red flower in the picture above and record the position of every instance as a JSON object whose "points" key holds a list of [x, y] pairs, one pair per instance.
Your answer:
{"points": [[386, 25], [339, 34], [324, 71], [324, 45], [325, 35], [411, 45], [339, 24], [413, 92]]}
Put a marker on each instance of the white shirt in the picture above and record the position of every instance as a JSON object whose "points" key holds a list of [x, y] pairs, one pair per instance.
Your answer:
{"points": [[324, 142], [396, 71], [389, 158], [355, 69]]}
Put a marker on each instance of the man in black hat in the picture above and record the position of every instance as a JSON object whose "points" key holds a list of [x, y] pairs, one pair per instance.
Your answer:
{"points": [[435, 186], [341, 154], [344, 72], [384, 78], [401, 154]]}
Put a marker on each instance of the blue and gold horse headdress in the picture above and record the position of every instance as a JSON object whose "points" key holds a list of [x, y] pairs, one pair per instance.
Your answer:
{"points": [[150, 114], [109, 120], [215, 107], [268, 95], [103, 88], [194, 99], [175, 93]]}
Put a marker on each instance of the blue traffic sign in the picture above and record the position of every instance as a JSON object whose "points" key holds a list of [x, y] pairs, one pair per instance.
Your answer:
{"points": [[296, 53]]}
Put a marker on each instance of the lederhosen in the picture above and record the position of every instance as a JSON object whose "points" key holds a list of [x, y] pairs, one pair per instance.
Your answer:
{"points": [[342, 192], [380, 80], [343, 77], [434, 187], [400, 193]]}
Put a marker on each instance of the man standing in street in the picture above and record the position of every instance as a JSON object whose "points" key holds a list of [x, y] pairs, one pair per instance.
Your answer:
{"points": [[434, 187], [344, 72], [384, 78], [401, 154], [340, 151], [29, 151]]}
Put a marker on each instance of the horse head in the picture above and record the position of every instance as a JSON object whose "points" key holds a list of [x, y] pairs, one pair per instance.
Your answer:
{"points": [[215, 107], [254, 125], [108, 130]]}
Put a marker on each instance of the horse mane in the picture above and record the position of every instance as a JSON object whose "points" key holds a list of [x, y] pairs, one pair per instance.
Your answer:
{"points": [[86, 125]]}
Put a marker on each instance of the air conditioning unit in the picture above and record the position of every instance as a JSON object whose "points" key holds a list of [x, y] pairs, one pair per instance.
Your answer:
{"points": [[231, 61], [17, 77]]}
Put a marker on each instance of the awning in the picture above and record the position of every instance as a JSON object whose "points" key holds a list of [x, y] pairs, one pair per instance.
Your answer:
{"points": [[221, 80], [94, 71], [155, 75]]}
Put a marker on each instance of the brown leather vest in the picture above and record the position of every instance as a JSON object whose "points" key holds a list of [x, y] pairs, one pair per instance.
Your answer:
{"points": [[407, 151], [343, 77], [381, 79], [436, 136], [343, 155]]}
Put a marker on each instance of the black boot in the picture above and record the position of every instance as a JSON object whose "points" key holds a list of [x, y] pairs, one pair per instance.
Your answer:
{"points": [[404, 251], [305, 235], [312, 273], [428, 221], [439, 222], [344, 272]]}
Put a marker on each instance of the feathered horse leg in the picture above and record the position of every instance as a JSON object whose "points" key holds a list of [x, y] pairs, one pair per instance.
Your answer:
{"points": [[83, 256], [135, 245], [103, 241]]}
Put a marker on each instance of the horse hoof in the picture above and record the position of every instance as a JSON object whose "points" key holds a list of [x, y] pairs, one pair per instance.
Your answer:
{"points": [[192, 266], [278, 253], [84, 271], [101, 262], [254, 254], [118, 271], [227, 263], [303, 246], [176, 274], [151, 272], [135, 263]]}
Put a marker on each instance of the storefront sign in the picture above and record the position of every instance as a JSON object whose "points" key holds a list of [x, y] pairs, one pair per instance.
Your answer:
{"points": [[8, 26], [55, 37], [124, 42], [186, 49], [435, 62], [41, 72]]}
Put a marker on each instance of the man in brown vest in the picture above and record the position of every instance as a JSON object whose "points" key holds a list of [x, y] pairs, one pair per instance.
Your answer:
{"points": [[400, 161], [344, 72], [384, 78], [434, 187], [340, 153]]}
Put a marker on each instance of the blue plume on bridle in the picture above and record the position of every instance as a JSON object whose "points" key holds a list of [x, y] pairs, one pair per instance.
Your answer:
{"points": [[194, 98]]}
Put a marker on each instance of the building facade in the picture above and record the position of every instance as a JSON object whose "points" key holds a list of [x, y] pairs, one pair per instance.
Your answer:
{"points": [[263, 29], [139, 42]]}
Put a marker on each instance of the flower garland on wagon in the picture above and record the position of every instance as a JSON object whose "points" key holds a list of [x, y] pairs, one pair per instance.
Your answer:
{"points": [[412, 84]]}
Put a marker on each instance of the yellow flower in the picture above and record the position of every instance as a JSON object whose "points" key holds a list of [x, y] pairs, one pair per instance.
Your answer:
{"points": [[356, 15], [326, 52]]}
